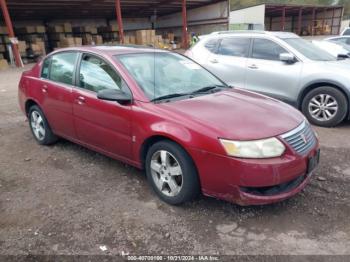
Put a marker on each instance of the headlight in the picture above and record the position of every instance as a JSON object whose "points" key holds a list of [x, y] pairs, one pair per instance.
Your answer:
{"points": [[265, 148]]}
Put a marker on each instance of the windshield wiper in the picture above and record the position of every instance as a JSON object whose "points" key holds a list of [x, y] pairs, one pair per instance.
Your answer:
{"points": [[168, 96], [207, 89]]}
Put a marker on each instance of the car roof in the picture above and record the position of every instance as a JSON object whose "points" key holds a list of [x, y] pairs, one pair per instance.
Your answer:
{"points": [[113, 50], [278, 34], [339, 36]]}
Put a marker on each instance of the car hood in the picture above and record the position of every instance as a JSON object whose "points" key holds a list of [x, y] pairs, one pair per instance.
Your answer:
{"points": [[238, 114]]}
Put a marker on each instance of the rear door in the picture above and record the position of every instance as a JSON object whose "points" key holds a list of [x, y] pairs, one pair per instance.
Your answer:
{"points": [[229, 63], [57, 85], [268, 75], [101, 124]]}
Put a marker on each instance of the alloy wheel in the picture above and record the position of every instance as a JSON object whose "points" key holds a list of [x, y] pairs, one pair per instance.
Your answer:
{"points": [[37, 124], [166, 173], [323, 107]]}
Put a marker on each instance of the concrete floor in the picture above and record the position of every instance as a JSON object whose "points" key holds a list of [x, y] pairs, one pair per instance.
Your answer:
{"points": [[65, 199]]}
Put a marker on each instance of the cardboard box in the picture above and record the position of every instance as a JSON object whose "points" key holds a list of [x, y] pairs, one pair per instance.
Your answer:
{"points": [[141, 37], [67, 42], [57, 36], [67, 27], [56, 29], [132, 40], [171, 37], [78, 41], [90, 29], [97, 39], [40, 29], [113, 28], [87, 39], [3, 64], [22, 46]]}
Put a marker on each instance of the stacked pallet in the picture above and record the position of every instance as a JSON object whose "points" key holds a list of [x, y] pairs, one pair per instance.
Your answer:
{"points": [[109, 33], [58, 33], [89, 35], [4, 40], [70, 42]]}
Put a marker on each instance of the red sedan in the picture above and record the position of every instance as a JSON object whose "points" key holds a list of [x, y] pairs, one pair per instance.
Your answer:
{"points": [[164, 113]]}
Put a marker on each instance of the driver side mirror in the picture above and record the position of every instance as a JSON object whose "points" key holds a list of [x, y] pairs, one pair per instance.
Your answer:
{"points": [[287, 58], [114, 95]]}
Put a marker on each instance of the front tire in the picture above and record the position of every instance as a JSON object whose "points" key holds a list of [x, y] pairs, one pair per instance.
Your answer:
{"points": [[40, 127], [325, 106], [171, 173]]}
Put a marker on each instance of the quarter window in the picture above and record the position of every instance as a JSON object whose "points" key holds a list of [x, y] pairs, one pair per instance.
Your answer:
{"points": [[96, 74], [212, 45], [62, 67], [234, 47], [267, 50], [46, 68]]}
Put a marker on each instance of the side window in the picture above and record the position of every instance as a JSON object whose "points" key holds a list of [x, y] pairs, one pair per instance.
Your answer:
{"points": [[347, 32], [95, 75], [212, 45], [267, 50], [45, 68], [234, 47], [62, 67]]}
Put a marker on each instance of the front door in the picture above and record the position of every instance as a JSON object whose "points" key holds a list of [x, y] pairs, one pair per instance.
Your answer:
{"points": [[103, 125], [229, 64], [268, 75]]}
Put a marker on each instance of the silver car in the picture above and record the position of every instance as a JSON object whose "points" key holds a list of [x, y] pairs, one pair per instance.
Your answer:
{"points": [[281, 65]]}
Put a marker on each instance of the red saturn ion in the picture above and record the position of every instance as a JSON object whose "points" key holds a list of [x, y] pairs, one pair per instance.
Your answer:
{"points": [[164, 113]]}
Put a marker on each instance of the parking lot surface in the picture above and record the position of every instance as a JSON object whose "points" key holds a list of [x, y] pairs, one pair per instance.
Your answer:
{"points": [[65, 199]]}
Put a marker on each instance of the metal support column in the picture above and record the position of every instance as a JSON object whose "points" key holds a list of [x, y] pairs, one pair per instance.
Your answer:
{"points": [[283, 24], [313, 21], [300, 19], [11, 33], [120, 21], [184, 25]]}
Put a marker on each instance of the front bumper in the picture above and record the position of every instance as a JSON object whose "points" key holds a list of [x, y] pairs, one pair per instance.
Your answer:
{"points": [[253, 181]]}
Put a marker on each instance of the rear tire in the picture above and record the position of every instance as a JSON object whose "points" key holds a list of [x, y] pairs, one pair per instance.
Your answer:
{"points": [[40, 127], [325, 106], [171, 173]]}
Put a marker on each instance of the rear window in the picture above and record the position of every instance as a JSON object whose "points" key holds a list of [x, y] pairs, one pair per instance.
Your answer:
{"points": [[62, 67]]}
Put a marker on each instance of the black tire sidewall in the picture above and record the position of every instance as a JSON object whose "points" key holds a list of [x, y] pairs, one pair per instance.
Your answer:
{"points": [[49, 136], [191, 186], [342, 106]]}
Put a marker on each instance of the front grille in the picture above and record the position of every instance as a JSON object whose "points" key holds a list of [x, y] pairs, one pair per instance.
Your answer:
{"points": [[302, 139], [274, 190]]}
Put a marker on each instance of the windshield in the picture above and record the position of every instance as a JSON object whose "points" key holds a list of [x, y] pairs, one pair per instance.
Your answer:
{"points": [[309, 50], [164, 74]]}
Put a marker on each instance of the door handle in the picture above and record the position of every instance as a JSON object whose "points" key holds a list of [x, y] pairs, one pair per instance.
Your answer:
{"points": [[253, 66], [44, 89], [214, 61], [81, 100]]}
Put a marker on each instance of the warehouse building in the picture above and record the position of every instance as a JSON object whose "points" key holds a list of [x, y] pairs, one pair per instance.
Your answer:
{"points": [[300, 19], [39, 26]]}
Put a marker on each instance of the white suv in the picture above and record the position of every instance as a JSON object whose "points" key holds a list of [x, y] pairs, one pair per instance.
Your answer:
{"points": [[280, 65]]}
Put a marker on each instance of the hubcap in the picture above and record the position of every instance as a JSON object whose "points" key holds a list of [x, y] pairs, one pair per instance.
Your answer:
{"points": [[37, 124], [323, 107], [166, 173]]}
